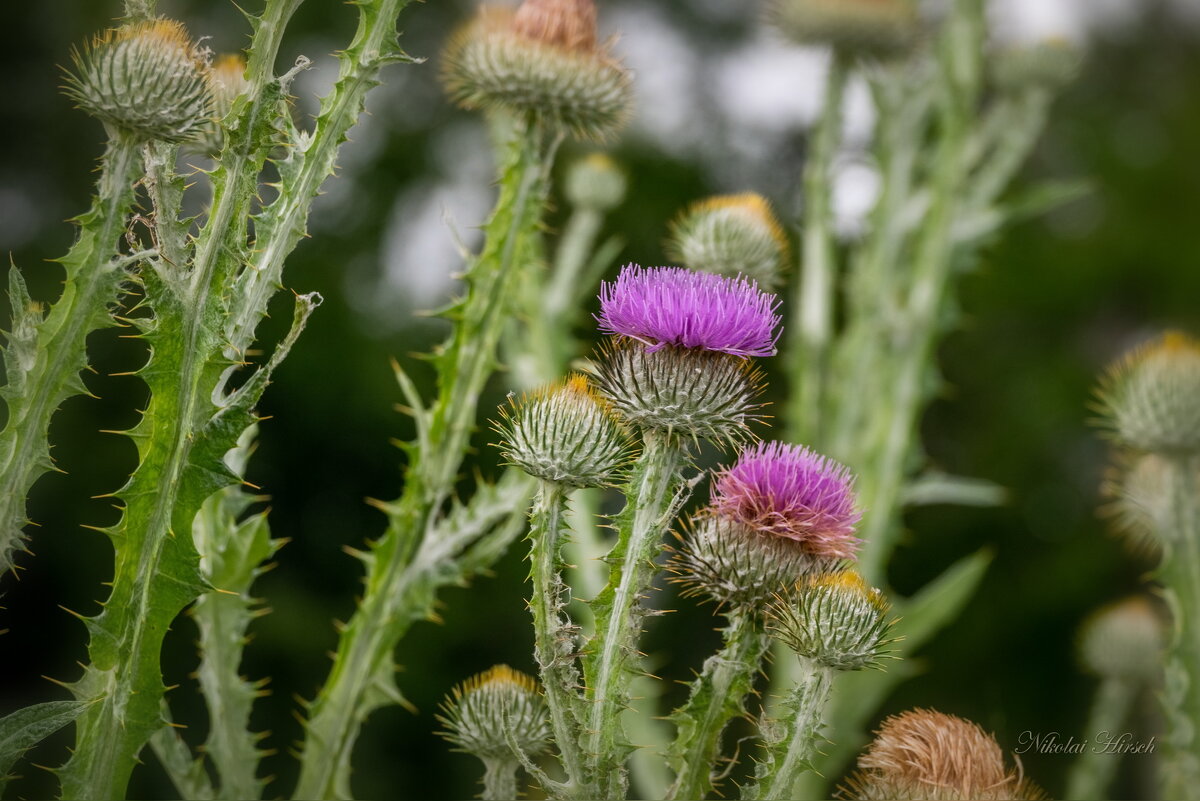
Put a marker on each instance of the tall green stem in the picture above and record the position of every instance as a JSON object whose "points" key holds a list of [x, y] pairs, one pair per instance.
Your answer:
{"points": [[408, 563], [43, 356], [717, 696], [499, 780], [813, 303], [791, 742], [611, 663], [1093, 771]]}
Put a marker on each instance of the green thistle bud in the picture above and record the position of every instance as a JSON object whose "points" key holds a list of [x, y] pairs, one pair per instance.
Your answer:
{"points": [[544, 61], [1124, 640], [1140, 488], [226, 81], [834, 619], [731, 235], [1152, 396], [690, 392], [595, 182], [565, 434], [483, 712], [737, 566], [146, 80], [1051, 65], [866, 27]]}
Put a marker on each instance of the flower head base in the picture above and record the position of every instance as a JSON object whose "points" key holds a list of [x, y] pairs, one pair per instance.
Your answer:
{"points": [[543, 61], [226, 81], [482, 711], [664, 306], [737, 566], [867, 27], [145, 79], [679, 391], [924, 754], [791, 492], [565, 434], [1152, 396], [735, 235], [1124, 640], [595, 182], [834, 619]]}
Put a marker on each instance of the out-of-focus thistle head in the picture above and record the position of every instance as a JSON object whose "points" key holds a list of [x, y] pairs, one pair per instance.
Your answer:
{"points": [[677, 363], [866, 27], [226, 81], [565, 433], [145, 79], [731, 235], [835, 619], [1140, 487], [543, 60], [480, 713], [595, 182], [1049, 64], [1151, 397], [1124, 640], [922, 754], [790, 492]]}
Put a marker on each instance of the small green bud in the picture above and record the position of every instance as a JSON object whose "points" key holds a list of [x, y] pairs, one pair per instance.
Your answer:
{"points": [[865, 27], [145, 79], [481, 713], [1124, 640], [737, 566], [1050, 64], [731, 235], [1152, 396], [544, 61], [595, 182], [1140, 486], [834, 619], [226, 81], [566, 434]]}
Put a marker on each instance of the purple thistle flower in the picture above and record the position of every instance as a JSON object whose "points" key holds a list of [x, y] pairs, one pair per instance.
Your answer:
{"points": [[663, 306], [789, 491]]}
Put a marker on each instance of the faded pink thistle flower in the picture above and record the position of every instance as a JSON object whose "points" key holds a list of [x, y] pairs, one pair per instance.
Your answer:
{"points": [[662, 306], [789, 491]]}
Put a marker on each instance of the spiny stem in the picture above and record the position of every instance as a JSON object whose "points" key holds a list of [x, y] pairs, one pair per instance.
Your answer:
{"points": [[1093, 771], [43, 360], [792, 742], [499, 780], [612, 659], [554, 636], [717, 696]]}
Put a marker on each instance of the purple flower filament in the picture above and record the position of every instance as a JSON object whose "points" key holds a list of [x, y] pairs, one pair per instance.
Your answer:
{"points": [[663, 306], [791, 492]]}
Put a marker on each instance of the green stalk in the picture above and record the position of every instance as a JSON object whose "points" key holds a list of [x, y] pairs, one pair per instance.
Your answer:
{"points": [[792, 741], [499, 780], [812, 326], [44, 355], [611, 663], [717, 696], [1180, 575], [413, 557], [1092, 772], [554, 635]]}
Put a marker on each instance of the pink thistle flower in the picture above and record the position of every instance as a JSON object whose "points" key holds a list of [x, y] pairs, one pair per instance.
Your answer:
{"points": [[662, 306], [791, 492]]}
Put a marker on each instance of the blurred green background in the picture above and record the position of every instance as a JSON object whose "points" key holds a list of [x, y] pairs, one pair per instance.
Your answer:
{"points": [[1052, 303]]}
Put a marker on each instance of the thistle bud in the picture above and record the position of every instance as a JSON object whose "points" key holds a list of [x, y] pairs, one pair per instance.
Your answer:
{"points": [[565, 434], [545, 61], [923, 754], [834, 619], [731, 235], [145, 79], [1152, 396], [226, 81], [1125, 641], [1140, 486], [1050, 64], [485, 710], [866, 27], [595, 182]]}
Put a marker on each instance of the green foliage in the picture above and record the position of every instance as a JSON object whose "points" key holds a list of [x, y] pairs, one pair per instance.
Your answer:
{"points": [[27, 727]]}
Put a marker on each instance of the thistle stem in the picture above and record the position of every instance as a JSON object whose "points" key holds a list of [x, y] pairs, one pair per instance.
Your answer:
{"points": [[554, 635], [1093, 771], [611, 663], [717, 696], [499, 780], [792, 742]]}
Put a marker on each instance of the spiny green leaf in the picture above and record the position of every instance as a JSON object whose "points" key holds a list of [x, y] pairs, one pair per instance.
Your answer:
{"points": [[27, 727]]}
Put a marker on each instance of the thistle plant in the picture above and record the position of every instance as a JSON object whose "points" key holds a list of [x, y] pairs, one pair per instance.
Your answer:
{"points": [[732, 235], [1149, 401]]}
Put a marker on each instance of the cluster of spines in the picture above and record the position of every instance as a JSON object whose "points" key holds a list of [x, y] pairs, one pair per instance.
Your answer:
{"points": [[834, 619], [731, 235]]}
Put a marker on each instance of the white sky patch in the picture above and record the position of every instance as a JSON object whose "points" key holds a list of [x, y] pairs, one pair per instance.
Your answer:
{"points": [[856, 185]]}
